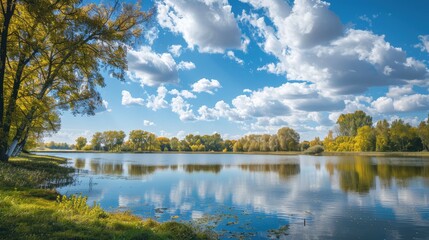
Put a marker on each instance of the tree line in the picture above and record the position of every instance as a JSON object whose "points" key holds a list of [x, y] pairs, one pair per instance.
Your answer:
{"points": [[354, 132], [286, 139], [51, 56]]}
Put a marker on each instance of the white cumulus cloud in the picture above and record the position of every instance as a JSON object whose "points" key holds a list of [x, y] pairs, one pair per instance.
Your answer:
{"points": [[183, 93], [185, 65], [207, 24], [176, 50], [311, 44], [424, 43], [151, 35], [206, 85], [154, 69], [157, 101], [272, 102], [148, 123], [182, 108], [127, 99], [232, 56]]}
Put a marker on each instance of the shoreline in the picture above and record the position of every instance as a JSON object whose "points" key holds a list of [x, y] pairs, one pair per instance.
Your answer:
{"points": [[294, 153], [31, 208]]}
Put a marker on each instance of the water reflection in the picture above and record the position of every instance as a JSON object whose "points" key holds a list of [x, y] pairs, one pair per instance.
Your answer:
{"points": [[141, 170], [284, 170], [214, 168], [80, 163], [98, 167], [108, 168], [338, 196], [359, 174]]}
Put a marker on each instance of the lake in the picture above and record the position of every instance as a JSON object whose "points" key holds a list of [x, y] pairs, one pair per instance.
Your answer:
{"points": [[264, 196]]}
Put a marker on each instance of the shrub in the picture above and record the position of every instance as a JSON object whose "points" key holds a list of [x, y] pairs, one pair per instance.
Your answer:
{"points": [[314, 150], [175, 230]]}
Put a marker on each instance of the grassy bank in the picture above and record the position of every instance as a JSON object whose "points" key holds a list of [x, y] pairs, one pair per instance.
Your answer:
{"points": [[29, 212]]}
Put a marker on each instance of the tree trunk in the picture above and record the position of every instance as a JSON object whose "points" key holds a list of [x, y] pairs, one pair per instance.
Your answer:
{"points": [[19, 147], [7, 12]]}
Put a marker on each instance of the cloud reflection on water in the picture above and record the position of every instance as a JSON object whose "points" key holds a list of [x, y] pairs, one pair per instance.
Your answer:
{"points": [[336, 195]]}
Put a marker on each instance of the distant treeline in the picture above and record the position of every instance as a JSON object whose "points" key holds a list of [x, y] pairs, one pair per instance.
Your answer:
{"points": [[59, 146], [286, 139], [353, 132]]}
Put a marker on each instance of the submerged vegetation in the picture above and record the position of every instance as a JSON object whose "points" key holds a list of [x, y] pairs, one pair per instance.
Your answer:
{"points": [[29, 212]]}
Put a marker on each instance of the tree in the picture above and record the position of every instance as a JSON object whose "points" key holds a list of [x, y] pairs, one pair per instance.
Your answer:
{"points": [[288, 139], [365, 139], [174, 144], [328, 142], [382, 136], [96, 141], [316, 141], [424, 133], [164, 143], [184, 146], [52, 52], [113, 140], [228, 145], [304, 145], [404, 137], [212, 142], [349, 123], [344, 144], [80, 143], [237, 147], [152, 143], [139, 139], [273, 143]]}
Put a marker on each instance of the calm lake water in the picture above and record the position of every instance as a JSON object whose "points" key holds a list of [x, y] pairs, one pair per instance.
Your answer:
{"points": [[257, 196]]}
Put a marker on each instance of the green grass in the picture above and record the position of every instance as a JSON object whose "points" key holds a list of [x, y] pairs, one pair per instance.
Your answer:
{"points": [[29, 212]]}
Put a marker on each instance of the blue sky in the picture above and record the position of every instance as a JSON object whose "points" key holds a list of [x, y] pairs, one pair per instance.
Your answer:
{"points": [[254, 66]]}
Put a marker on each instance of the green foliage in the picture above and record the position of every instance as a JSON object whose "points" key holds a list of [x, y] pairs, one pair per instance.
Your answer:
{"points": [[54, 145], [397, 137], [404, 137], [174, 144], [78, 205], [423, 132], [174, 230], [304, 145], [365, 139], [314, 150], [54, 52], [349, 123], [80, 143], [382, 135], [164, 143], [288, 139], [112, 140], [237, 147], [316, 141], [96, 141]]}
